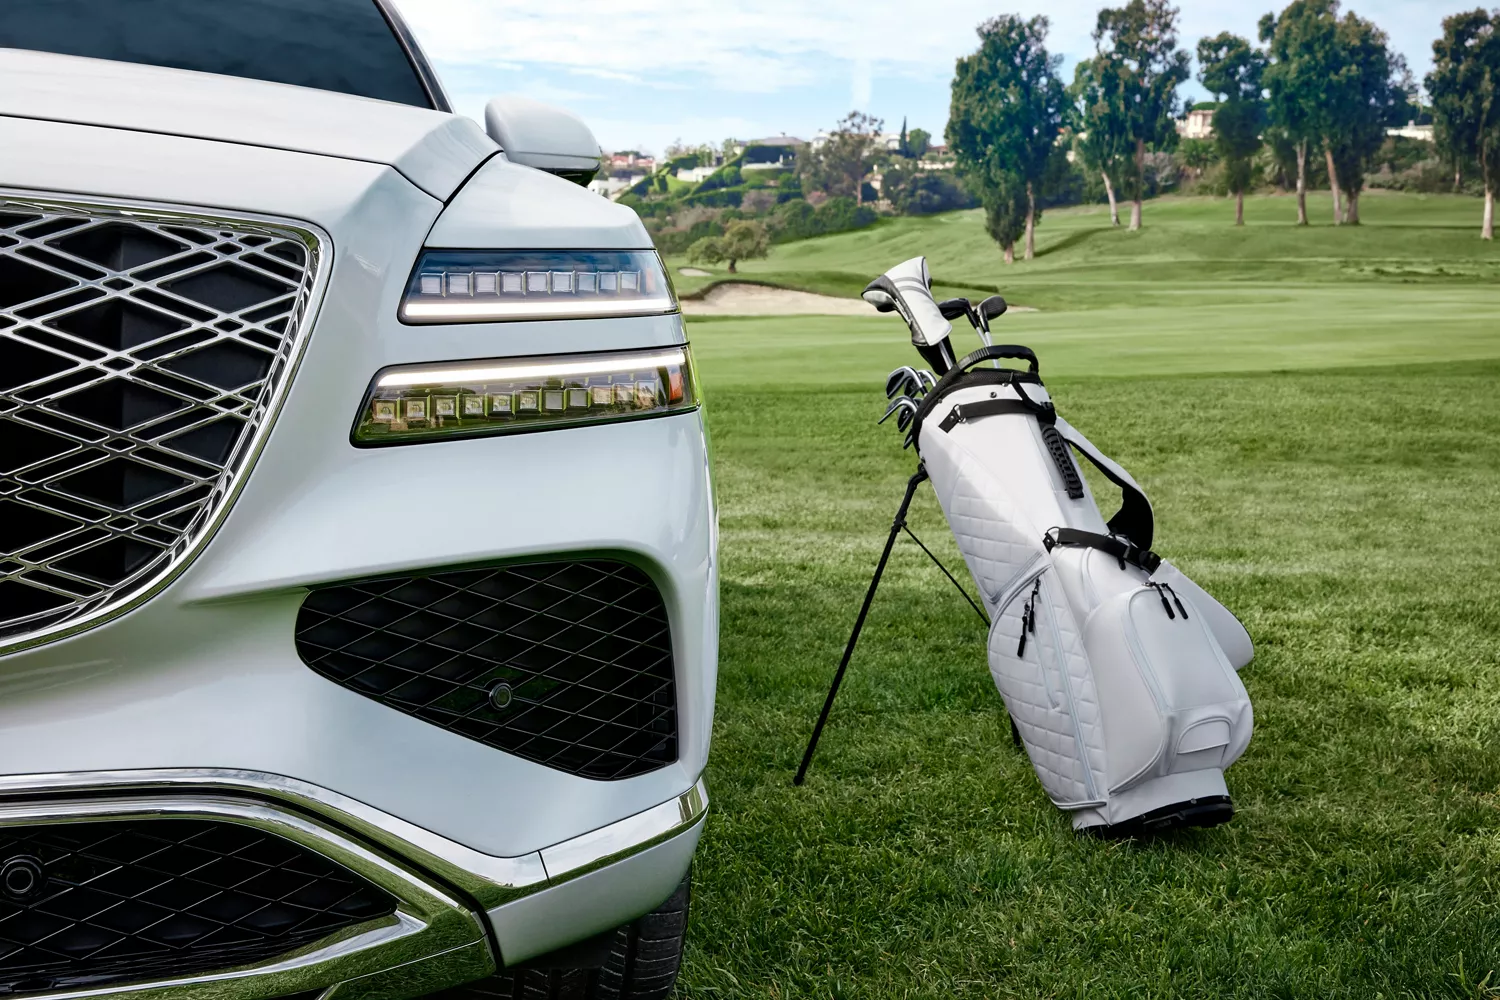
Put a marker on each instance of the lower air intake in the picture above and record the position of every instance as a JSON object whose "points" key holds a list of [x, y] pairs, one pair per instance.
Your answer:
{"points": [[102, 903], [568, 664]]}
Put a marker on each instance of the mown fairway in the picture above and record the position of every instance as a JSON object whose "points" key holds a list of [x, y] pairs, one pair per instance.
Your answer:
{"points": [[1322, 444]]}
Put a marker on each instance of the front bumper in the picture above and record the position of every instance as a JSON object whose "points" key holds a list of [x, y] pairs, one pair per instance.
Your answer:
{"points": [[449, 897]]}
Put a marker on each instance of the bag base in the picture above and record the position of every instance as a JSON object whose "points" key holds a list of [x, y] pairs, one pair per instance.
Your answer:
{"points": [[1194, 798]]}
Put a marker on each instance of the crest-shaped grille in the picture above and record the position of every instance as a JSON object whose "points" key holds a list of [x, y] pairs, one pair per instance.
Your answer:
{"points": [[141, 356], [568, 664]]}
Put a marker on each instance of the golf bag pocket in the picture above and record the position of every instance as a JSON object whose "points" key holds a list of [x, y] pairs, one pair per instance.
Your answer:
{"points": [[1172, 702], [1038, 664]]}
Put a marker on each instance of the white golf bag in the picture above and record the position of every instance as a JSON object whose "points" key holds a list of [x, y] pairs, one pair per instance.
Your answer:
{"points": [[1119, 673]]}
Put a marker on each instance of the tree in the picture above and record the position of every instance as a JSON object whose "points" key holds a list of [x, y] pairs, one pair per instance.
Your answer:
{"points": [[918, 142], [708, 250], [1006, 112], [1366, 95], [1005, 209], [744, 239], [1233, 71], [1140, 68], [1464, 87], [841, 164], [1302, 46], [1101, 142]]}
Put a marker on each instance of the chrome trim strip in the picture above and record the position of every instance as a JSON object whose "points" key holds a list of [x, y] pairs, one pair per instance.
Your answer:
{"points": [[320, 261], [617, 841], [430, 930], [490, 880]]}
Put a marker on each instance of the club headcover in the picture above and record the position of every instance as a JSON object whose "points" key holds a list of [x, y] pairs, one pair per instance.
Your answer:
{"points": [[908, 289]]}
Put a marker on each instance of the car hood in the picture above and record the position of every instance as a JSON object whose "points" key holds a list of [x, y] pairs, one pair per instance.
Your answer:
{"points": [[436, 151]]}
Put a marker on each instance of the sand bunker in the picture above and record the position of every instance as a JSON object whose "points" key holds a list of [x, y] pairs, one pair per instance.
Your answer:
{"points": [[738, 299], [759, 300], [694, 272]]}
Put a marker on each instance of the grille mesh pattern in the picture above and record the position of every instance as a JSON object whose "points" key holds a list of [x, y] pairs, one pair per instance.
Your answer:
{"points": [[131, 901], [139, 354], [568, 664]]}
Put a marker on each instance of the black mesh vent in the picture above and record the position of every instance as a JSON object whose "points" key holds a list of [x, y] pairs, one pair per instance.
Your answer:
{"points": [[87, 904], [568, 664]]}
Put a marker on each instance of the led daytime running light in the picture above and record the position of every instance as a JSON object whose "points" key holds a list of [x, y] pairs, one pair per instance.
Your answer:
{"points": [[509, 395], [527, 370]]}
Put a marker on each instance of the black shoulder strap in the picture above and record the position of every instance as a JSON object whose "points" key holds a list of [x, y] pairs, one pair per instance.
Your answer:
{"points": [[1116, 546]]}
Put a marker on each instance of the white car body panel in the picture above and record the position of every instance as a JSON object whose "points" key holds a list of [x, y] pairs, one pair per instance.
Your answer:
{"points": [[205, 674], [435, 151], [506, 205]]}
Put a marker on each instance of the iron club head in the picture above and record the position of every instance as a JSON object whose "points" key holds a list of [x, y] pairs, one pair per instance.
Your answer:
{"points": [[905, 406], [898, 381]]}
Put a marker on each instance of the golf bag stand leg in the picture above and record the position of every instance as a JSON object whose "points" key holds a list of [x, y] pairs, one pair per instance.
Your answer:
{"points": [[859, 622]]}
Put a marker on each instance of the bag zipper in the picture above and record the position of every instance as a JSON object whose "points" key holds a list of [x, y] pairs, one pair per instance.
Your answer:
{"points": [[1028, 617]]}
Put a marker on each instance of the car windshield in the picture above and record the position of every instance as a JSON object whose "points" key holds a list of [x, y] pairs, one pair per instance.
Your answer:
{"points": [[346, 46]]}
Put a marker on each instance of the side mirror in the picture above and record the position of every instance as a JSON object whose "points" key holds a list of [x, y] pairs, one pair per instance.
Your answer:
{"points": [[541, 136]]}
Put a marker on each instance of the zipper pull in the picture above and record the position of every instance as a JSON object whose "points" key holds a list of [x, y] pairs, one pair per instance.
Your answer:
{"points": [[1025, 624], [1177, 601], [1162, 594]]}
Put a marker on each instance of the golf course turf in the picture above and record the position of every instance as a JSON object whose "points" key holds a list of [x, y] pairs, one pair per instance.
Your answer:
{"points": [[1315, 416]]}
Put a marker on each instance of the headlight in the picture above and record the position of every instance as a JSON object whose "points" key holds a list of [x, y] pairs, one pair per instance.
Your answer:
{"points": [[463, 399], [466, 286]]}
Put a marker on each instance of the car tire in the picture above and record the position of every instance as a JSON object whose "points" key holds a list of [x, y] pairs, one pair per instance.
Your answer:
{"points": [[638, 961]]}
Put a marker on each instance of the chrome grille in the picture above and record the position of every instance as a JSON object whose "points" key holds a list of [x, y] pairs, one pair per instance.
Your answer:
{"points": [[142, 354]]}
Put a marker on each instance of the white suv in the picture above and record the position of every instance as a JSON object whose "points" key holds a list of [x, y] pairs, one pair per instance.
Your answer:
{"points": [[358, 585]]}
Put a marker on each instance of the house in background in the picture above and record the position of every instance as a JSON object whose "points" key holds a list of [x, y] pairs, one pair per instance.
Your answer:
{"points": [[1411, 130], [630, 160], [772, 153], [1199, 123]]}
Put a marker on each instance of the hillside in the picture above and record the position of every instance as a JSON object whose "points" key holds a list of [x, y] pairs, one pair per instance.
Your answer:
{"points": [[1084, 263]]}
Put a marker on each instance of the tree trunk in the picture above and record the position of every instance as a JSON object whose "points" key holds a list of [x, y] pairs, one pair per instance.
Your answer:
{"points": [[1333, 183], [1010, 253], [1488, 230], [1140, 180], [1351, 209], [1239, 208], [731, 265], [1114, 209], [1302, 183], [1030, 222], [1458, 176]]}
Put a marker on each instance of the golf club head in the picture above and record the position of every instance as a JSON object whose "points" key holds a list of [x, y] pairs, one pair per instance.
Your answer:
{"points": [[904, 406], [992, 308], [927, 378], [898, 380]]}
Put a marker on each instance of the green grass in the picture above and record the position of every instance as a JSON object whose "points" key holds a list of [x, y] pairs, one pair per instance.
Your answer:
{"points": [[1326, 461]]}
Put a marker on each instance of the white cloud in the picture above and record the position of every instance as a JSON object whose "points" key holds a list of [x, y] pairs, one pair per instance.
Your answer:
{"points": [[811, 53]]}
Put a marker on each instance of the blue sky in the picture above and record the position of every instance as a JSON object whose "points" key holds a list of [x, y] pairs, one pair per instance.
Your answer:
{"points": [[643, 73]]}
